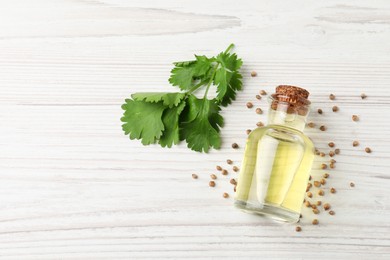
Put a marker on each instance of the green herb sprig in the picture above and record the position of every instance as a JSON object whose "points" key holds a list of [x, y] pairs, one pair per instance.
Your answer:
{"points": [[168, 118]]}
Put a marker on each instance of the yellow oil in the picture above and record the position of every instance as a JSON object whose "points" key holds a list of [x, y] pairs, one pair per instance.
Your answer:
{"points": [[274, 172]]}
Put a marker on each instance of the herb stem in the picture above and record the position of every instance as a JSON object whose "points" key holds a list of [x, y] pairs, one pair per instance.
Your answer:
{"points": [[210, 81], [229, 48]]}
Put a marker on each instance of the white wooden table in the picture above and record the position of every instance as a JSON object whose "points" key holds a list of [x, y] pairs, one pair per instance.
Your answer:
{"points": [[72, 186]]}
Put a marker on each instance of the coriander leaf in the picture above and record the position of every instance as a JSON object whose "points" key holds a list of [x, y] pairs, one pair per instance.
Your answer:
{"points": [[168, 99], [227, 78], [185, 74], [201, 128], [170, 119], [143, 120]]}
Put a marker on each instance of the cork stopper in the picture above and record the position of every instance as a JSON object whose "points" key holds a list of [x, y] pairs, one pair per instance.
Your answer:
{"points": [[294, 97]]}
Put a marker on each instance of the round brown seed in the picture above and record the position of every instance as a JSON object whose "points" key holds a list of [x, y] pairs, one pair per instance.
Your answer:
{"points": [[313, 206], [352, 184], [248, 131], [258, 97], [355, 118], [332, 166], [319, 111], [233, 181], [331, 144], [225, 195], [321, 193], [315, 221], [335, 108], [213, 176], [235, 168], [224, 172], [194, 176], [249, 105], [332, 190], [326, 206], [326, 175], [355, 143], [298, 229], [332, 97], [322, 154], [253, 74], [311, 125], [234, 145], [363, 96], [307, 203], [319, 203], [259, 124], [219, 168], [259, 111], [323, 181], [331, 153], [332, 160], [322, 128], [368, 150], [316, 211], [212, 183], [337, 151], [262, 92], [331, 212], [228, 161], [309, 194], [317, 183], [324, 166]]}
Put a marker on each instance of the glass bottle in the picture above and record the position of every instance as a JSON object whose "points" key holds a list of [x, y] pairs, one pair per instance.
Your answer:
{"points": [[278, 159]]}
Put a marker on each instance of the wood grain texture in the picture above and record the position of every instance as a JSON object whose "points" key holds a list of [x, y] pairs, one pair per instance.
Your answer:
{"points": [[72, 186]]}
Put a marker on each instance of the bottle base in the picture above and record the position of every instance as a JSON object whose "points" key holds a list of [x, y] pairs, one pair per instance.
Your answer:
{"points": [[269, 211]]}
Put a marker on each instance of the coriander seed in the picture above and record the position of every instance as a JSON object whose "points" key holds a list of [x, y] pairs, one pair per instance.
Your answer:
{"points": [[225, 195], [253, 74], [368, 150], [335, 108], [337, 151], [324, 166], [313, 206], [319, 111], [311, 125], [233, 181], [194, 176], [323, 181], [321, 193], [331, 144], [249, 105], [326, 175], [332, 160], [212, 183], [219, 168], [315, 221], [352, 184], [309, 194], [298, 229], [258, 97], [363, 96], [248, 131], [307, 203], [259, 124], [224, 172], [316, 211], [228, 161], [332, 166], [319, 203], [259, 111], [331, 153], [355, 118], [332, 97], [213, 176], [322, 154], [234, 145], [263, 93], [235, 168], [317, 184], [332, 190], [355, 143], [322, 128], [326, 206], [331, 212]]}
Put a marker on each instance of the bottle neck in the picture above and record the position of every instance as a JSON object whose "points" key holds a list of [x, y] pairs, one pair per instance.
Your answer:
{"points": [[295, 121]]}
